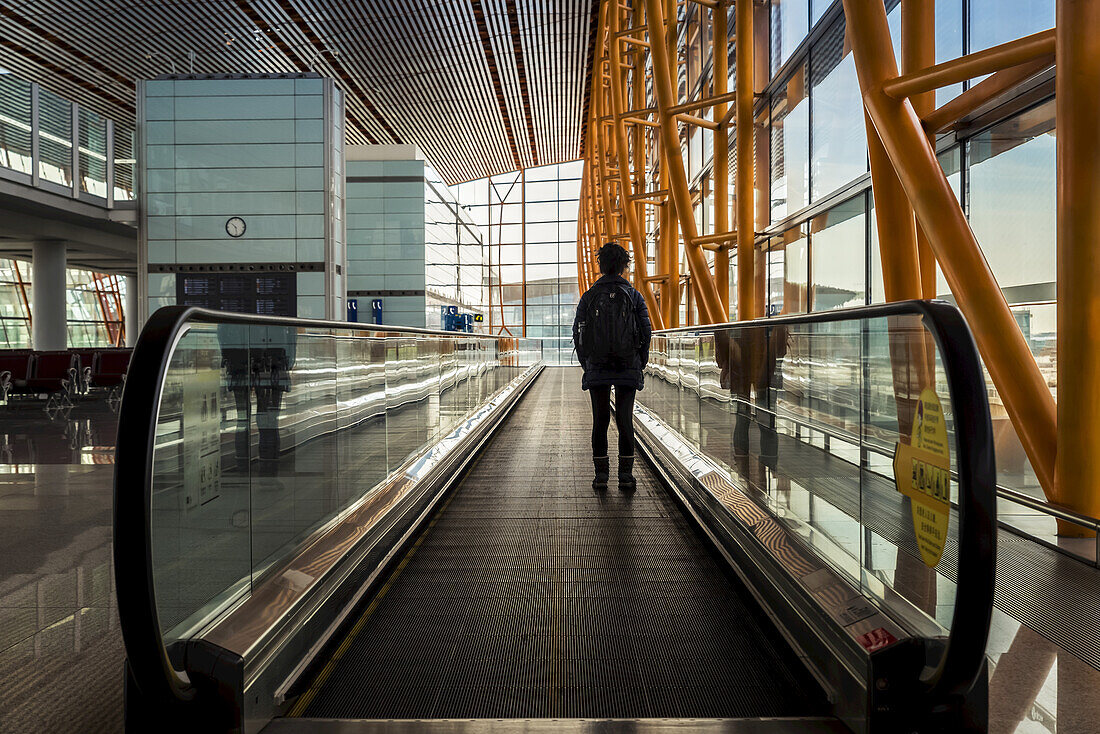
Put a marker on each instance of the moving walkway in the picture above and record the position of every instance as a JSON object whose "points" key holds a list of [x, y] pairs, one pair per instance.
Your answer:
{"points": [[333, 527]]}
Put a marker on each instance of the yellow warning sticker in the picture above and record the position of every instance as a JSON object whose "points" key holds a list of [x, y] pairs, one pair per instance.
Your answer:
{"points": [[922, 470]]}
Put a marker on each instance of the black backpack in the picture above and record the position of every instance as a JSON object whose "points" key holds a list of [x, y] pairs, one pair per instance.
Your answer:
{"points": [[609, 332]]}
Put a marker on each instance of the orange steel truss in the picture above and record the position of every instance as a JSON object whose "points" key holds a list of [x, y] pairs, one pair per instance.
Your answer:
{"points": [[635, 173], [635, 186]]}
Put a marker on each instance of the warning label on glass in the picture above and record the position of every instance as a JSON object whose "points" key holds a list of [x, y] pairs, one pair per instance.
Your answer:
{"points": [[922, 471]]}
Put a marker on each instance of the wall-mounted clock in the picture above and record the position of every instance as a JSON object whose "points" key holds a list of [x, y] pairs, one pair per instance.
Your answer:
{"points": [[235, 227]]}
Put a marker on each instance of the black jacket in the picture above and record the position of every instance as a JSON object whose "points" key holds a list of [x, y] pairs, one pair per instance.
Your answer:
{"points": [[596, 375]]}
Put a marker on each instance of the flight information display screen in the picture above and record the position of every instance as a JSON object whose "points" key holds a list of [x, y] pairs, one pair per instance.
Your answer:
{"points": [[269, 294]]}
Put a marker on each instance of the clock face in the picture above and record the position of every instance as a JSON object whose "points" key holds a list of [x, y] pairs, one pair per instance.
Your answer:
{"points": [[234, 226]]}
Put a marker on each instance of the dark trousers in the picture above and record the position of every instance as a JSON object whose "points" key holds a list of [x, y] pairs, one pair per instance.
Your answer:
{"points": [[601, 418]]}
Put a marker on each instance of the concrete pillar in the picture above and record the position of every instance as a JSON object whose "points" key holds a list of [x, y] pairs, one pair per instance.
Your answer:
{"points": [[48, 308], [130, 313]]}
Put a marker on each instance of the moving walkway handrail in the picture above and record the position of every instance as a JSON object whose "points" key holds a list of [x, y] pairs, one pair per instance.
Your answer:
{"points": [[146, 652], [964, 651]]}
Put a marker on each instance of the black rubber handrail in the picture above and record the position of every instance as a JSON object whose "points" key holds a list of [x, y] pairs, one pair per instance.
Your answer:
{"points": [[146, 653], [963, 657]]}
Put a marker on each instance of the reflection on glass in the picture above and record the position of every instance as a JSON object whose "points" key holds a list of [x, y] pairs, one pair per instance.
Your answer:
{"points": [[55, 138], [818, 8], [837, 238], [15, 123], [999, 21], [93, 154], [949, 42], [1012, 198], [790, 22], [267, 432], [200, 510], [788, 273], [790, 147], [839, 134], [804, 419]]}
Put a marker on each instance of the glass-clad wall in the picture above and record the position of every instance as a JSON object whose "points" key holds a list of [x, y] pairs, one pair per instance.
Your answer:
{"points": [[529, 219], [414, 254], [243, 200], [454, 258]]}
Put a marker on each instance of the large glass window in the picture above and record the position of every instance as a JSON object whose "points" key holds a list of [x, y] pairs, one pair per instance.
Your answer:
{"points": [[999, 21], [839, 133], [123, 142], [949, 41], [15, 293], [93, 154], [454, 271], [55, 138], [788, 273], [94, 309], [15, 123], [1012, 201], [790, 147], [951, 162], [94, 306], [695, 51], [838, 240], [818, 8], [529, 220], [790, 22]]}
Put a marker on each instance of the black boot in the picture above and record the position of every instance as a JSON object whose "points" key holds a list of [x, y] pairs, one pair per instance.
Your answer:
{"points": [[626, 477], [603, 471]]}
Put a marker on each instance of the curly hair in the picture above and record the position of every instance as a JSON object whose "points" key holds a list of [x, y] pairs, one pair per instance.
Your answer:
{"points": [[613, 259]]}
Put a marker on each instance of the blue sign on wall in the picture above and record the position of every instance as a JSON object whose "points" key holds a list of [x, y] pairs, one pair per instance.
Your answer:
{"points": [[376, 310], [449, 318], [353, 309]]}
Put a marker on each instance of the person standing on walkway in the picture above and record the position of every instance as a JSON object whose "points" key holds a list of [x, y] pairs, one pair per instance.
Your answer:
{"points": [[611, 333]]}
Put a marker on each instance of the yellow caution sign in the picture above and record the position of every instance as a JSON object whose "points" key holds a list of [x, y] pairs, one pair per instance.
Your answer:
{"points": [[922, 470]]}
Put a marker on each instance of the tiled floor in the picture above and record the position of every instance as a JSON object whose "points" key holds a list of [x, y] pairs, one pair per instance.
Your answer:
{"points": [[61, 653], [60, 648]]}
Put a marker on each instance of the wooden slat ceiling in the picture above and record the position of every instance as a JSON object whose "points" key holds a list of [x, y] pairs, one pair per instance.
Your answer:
{"points": [[481, 86]]}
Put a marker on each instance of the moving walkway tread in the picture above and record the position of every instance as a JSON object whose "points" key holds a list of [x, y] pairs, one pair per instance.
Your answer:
{"points": [[529, 595]]}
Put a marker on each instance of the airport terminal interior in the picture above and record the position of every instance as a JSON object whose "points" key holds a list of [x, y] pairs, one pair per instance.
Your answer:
{"points": [[292, 429]]}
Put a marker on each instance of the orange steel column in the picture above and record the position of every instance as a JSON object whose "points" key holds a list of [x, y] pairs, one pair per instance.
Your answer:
{"points": [[581, 242], [1007, 356], [595, 236], [600, 148], [637, 97], [672, 249], [629, 210], [721, 166], [746, 163], [918, 51], [1078, 114], [584, 236], [711, 305], [599, 227]]}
